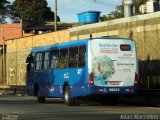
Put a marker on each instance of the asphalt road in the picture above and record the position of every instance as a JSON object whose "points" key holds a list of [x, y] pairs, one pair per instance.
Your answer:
{"points": [[26, 108]]}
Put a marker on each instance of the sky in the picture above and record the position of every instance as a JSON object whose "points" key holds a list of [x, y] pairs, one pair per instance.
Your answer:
{"points": [[68, 9]]}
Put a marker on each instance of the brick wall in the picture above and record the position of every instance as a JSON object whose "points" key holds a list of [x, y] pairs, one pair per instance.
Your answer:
{"points": [[10, 31]]}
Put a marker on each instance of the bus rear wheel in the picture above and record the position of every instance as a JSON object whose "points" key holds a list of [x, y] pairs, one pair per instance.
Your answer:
{"points": [[70, 101], [40, 99]]}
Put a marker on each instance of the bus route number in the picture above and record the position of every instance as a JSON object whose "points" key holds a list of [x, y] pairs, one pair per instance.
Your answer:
{"points": [[114, 89]]}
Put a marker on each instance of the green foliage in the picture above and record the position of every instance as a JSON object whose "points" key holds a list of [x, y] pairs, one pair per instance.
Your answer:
{"points": [[3, 10], [118, 13], [33, 10], [48, 15]]}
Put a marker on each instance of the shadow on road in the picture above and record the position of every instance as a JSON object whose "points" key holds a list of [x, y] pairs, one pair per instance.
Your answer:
{"points": [[153, 102], [127, 102]]}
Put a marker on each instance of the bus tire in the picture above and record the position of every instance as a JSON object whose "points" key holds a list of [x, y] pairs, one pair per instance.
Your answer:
{"points": [[69, 101], [40, 99]]}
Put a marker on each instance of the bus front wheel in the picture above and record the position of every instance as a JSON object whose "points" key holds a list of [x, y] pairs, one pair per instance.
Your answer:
{"points": [[70, 101], [40, 99]]}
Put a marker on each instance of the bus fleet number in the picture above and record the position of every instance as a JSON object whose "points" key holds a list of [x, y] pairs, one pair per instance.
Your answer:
{"points": [[114, 89]]}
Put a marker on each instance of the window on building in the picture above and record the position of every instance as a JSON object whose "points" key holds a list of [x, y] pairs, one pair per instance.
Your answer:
{"points": [[54, 59]]}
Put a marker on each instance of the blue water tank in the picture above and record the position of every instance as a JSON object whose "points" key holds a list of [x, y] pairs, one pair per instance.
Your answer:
{"points": [[80, 18], [89, 17]]}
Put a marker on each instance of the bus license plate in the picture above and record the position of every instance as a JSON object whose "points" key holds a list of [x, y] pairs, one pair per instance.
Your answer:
{"points": [[114, 89]]}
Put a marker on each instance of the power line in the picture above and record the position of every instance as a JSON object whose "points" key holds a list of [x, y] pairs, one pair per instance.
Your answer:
{"points": [[100, 3], [97, 2], [76, 10], [69, 11]]}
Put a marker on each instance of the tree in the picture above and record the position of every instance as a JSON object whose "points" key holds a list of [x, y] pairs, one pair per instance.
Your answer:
{"points": [[33, 10], [118, 13], [4, 11], [48, 15]]}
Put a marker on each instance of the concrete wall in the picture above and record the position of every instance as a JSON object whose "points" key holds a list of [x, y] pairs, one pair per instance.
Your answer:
{"points": [[18, 50], [144, 29]]}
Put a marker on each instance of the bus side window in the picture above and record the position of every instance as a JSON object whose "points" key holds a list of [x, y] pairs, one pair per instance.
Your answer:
{"points": [[63, 61], [39, 59], [46, 61], [54, 59], [73, 57], [82, 56]]}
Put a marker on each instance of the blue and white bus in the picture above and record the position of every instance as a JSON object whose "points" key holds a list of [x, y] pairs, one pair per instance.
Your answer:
{"points": [[96, 68]]}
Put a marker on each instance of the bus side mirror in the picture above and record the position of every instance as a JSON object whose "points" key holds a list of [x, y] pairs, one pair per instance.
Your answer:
{"points": [[28, 67], [29, 60]]}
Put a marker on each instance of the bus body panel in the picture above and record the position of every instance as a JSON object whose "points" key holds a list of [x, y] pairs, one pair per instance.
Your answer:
{"points": [[112, 66], [51, 82], [118, 78], [74, 77]]}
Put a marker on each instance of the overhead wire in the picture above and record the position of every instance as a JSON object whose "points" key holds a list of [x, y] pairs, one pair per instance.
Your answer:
{"points": [[97, 2]]}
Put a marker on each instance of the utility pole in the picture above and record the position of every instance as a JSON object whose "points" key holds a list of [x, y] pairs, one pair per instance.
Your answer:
{"points": [[55, 15], [4, 70]]}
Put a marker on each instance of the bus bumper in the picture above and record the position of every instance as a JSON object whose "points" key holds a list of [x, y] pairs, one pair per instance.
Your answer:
{"points": [[112, 90]]}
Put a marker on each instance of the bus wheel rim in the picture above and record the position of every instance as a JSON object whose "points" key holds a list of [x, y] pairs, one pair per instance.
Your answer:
{"points": [[66, 96]]}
